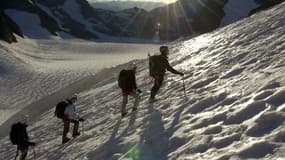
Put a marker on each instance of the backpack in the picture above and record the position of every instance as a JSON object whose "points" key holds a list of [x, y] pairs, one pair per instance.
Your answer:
{"points": [[154, 65], [125, 80], [18, 131], [60, 108]]}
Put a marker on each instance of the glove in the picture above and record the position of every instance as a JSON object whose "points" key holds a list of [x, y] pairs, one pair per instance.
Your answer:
{"points": [[139, 91], [81, 120]]}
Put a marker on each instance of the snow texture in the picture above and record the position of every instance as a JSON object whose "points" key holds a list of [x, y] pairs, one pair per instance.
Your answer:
{"points": [[234, 108], [33, 69]]}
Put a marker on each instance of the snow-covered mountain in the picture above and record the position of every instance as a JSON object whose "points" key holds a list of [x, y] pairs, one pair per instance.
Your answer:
{"points": [[238, 9], [121, 5], [234, 110], [43, 19]]}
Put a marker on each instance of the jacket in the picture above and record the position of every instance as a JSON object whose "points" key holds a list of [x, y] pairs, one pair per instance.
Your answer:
{"points": [[70, 112], [159, 64]]}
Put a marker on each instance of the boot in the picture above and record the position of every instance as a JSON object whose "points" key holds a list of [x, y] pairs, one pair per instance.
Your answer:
{"points": [[124, 114], [64, 140], [75, 135]]}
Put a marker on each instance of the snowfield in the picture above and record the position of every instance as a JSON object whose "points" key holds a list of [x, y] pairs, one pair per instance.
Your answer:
{"points": [[33, 69], [235, 105]]}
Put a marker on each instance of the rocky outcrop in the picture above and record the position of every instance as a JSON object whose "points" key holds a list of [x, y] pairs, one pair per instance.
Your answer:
{"points": [[8, 28], [31, 6], [265, 4], [170, 22], [68, 23], [186, 17]]}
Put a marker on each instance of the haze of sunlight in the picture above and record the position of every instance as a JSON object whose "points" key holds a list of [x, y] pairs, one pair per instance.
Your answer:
{"points": [[164, 1]]}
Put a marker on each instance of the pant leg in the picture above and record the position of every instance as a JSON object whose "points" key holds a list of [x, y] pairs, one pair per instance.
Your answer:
{"points": [[157, 84], [124, 103], [137, 99], [65, 128], [23, 154], [75, 127]]}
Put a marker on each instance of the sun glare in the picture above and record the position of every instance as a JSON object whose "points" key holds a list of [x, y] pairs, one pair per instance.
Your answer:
{"points": [[169, 1], [163, 1]]}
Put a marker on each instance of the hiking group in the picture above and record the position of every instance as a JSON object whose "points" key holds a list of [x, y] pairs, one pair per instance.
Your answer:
{"points": [[158, 64], [66, 111]]}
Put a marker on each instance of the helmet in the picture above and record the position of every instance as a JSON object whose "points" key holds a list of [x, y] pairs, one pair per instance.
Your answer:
{"points": [[133, 66], [24, 118], [74, 97], [163, 49]]}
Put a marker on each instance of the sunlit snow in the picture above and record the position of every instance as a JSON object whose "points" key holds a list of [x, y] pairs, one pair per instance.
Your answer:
{"points": [[234, 80]]}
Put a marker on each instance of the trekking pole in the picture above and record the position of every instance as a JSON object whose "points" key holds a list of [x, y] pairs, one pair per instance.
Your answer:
{"points": [[34, 152], [16, 154], [184, 88], [82, 125]]}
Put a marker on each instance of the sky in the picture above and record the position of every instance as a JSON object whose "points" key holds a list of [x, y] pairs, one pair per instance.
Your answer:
{"points": [[164, 1]]}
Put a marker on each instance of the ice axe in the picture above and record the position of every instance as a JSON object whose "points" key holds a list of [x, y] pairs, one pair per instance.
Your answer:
{"points": [[82, 127], [34, 152], [17, 154], [82, 124], [184, 88]]}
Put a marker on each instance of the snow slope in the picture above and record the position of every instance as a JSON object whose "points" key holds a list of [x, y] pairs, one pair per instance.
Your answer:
{"points": [[234, 110], [33, 69]]}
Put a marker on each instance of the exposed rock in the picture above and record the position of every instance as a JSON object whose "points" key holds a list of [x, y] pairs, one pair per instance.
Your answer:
{"points": [[265, 4], [7, 28], [24, 5]]}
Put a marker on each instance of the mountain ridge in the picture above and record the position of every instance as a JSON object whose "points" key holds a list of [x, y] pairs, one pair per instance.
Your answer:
{"points": [[78, 19], [121, 5]]}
